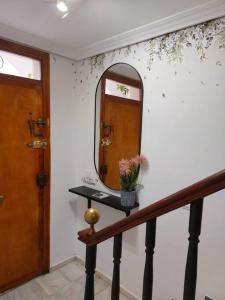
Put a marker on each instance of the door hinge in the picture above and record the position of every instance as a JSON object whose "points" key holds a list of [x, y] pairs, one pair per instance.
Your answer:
{"points": [[42, 179]]}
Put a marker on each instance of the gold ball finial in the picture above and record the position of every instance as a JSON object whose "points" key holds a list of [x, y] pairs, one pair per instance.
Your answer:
{"points": [[92, 217]]}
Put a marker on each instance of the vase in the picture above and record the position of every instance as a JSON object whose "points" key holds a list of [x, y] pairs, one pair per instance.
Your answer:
{"points": [[128, 198]]}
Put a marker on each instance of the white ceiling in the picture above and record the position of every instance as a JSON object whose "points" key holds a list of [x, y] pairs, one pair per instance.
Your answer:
{"points": [[125, 70], [96, 26]]}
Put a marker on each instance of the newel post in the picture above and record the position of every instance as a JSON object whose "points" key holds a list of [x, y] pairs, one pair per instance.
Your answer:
{"points": [[91, 217]]}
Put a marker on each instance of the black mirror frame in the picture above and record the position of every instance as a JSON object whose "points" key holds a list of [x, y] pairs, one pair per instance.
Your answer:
{"points": [[142, 100]]}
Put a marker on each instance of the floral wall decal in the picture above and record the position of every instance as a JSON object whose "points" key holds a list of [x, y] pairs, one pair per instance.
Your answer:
{"points": [[201, 37], [169, 47], [96, 62], [127, 51]]}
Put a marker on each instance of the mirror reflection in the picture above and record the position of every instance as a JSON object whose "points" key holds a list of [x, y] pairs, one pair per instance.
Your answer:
{"points": [[118, 118]]}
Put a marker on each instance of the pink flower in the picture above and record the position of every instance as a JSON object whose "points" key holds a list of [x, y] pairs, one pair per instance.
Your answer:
{"points": [[142, 159], [124, 166], [138, 160], [129, 171], [135, 161], [127, 166]]}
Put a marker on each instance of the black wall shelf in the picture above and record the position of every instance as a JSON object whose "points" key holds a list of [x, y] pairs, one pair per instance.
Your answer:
{"points": [[110, 200]]}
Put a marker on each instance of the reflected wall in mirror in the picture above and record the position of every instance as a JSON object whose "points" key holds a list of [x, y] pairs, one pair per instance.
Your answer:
{"points": [[118, 119]]}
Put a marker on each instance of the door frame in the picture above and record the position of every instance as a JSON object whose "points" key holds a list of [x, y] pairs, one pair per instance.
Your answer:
{"points": [[43, 57]]}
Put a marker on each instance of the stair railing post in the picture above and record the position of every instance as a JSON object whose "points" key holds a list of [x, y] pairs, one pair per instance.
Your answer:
{"points": [[195, 221], [90, 266], [148, 272], [117, 253]]}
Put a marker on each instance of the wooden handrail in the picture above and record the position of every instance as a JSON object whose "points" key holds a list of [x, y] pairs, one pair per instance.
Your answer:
{"points": [[201, 189]]}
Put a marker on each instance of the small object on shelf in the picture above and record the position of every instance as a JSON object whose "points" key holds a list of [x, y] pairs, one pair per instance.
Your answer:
{"points": [[92, 217], [100, 195], [128, 198], [109, 200]]}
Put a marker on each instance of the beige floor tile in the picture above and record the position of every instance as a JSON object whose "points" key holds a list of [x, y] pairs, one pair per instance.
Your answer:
{"points": [[123, 297], [72, 292], [72, 271], [100, 284], [4, 296], [27, 291], [66, 283], [12, 295], [106, 295], [39, 292], [51, 283]]}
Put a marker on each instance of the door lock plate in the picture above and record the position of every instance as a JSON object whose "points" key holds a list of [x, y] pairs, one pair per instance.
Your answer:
{"points": [[38, 144]]}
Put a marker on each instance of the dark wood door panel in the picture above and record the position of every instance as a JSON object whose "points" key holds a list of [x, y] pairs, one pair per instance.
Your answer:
{"points": [[20, 211], [24, 208]]}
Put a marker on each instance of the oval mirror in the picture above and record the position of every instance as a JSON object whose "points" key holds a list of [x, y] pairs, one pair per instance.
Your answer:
{"points": [[118, 119]]}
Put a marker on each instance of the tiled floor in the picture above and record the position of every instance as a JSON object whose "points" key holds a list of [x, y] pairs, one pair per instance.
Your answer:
{"points": [[65, 283]]}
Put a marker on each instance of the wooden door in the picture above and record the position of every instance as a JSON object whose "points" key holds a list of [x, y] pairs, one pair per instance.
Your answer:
{"points": [[24, 203], [121, 125]]}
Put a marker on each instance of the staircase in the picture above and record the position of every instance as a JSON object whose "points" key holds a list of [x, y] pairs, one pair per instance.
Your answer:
{"points": [[193, 195]]}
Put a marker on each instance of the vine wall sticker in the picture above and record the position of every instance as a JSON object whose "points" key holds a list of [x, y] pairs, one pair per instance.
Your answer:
{"points": [[97, 62], [201, 37], [170, 47]]}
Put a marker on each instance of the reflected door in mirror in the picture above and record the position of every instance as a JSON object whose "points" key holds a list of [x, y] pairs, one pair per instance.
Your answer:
{"points": [[119, 122]]}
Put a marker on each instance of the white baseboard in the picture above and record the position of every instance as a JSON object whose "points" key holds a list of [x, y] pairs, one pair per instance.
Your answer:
{"points": [[62, 263]]}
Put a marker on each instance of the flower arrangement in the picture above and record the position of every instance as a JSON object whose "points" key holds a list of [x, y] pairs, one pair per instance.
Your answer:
{"points": [[129, 171]]}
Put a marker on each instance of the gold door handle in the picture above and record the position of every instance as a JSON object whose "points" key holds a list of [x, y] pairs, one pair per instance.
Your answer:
{"points": [[2, 198], [38, 144]]}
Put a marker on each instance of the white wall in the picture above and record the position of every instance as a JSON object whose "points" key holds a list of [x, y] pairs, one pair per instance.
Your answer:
{"points": [[63, 163], [183, 139]]}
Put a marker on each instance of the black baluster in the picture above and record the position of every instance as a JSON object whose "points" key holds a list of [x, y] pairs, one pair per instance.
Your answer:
{"points": [[148, 273], [90, 265], [117, 252], [195, 222], [89, 202]]}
